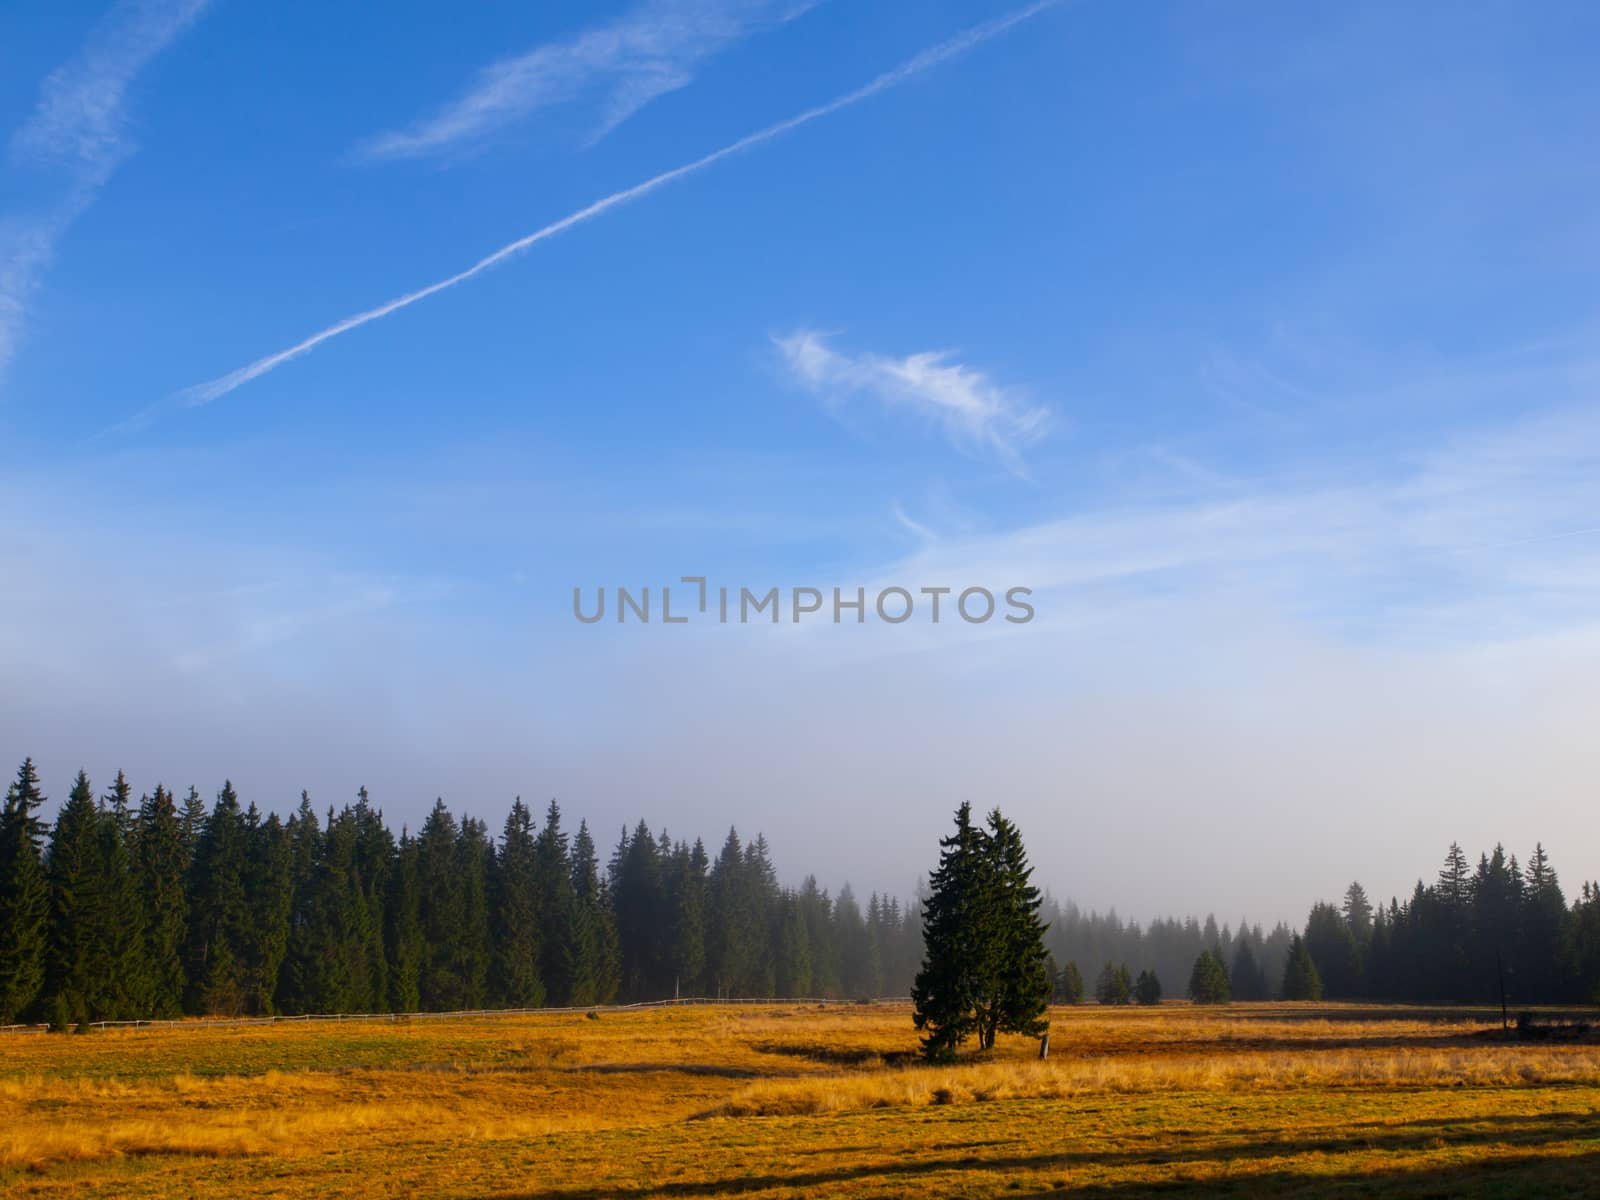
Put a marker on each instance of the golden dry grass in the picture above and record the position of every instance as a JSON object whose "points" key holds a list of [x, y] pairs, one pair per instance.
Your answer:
{"points": [[797, 1101], [1054, 1080]]}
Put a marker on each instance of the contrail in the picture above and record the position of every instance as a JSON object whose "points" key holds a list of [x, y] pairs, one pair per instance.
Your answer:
{"points": [[204, 393]]}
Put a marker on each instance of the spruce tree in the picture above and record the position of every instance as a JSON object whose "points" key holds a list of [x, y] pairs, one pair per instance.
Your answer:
{"points": [[688, 924], [902, 949], [77, 966], [1019, 988], [269, 884], [1584, 943], [343, 925], [1208, 981], [555, 902], [192, 823], [441, 910], [1544, 920], [119, 801], [24, 897], [816, 908], [1069, 984], [596, 954], [1245, 978], [857, 961], [516, 914], [1147, 988], [1358, 914], [949, 987], [1380, 968], [1105, 985], [161, 863], [1448, 942], [1332, 947], [1455, 878], [794, 950], [475, 857], [761, 894], [882, 928], [1300, 979], [219, 911], [984, 967], [374, 859], [300, 974], [638, 894], [1115, 985], [127, 992], [608, 976], [741, 893], [403, 929]]}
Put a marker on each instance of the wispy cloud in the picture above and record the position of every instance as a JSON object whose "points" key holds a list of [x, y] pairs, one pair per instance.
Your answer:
{"points": [[926, 60], [913, 526], [1483, 537], [976, 413], [75, 139], [648, 51]]}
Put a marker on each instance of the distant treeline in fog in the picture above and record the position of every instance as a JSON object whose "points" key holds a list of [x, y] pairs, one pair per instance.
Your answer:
{"points": [[1476, 930], [128, 908], [1166, 947]]}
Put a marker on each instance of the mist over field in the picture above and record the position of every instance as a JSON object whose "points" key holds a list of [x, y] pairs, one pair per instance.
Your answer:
{"points": [[1186, 727]]}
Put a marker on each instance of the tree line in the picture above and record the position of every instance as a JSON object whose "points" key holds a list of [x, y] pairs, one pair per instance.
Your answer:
{"points": [[125, 908], [1477, 934], [1165, 949], [1211, 979], [1477, 929]]}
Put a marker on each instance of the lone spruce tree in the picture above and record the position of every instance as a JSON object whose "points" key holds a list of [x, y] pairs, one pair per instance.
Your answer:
{"points": [[1018, 961], [946, 991], [984, 969]]}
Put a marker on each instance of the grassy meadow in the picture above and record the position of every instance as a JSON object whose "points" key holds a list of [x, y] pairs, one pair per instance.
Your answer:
{"points": [[790, 1100]]}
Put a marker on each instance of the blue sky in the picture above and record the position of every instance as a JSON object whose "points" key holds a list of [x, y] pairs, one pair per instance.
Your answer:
{"points": [[1258, 340]]}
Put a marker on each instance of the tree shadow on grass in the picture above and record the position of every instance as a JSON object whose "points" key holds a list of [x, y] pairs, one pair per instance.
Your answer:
{"points": [[1277, 1044], [1352, 1011], [1569, 1175], [840, 1056], [719, 1072], [1494, 1179]]}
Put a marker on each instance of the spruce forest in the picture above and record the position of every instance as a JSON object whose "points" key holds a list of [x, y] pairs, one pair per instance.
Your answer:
{"points": [[128, 908]]}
